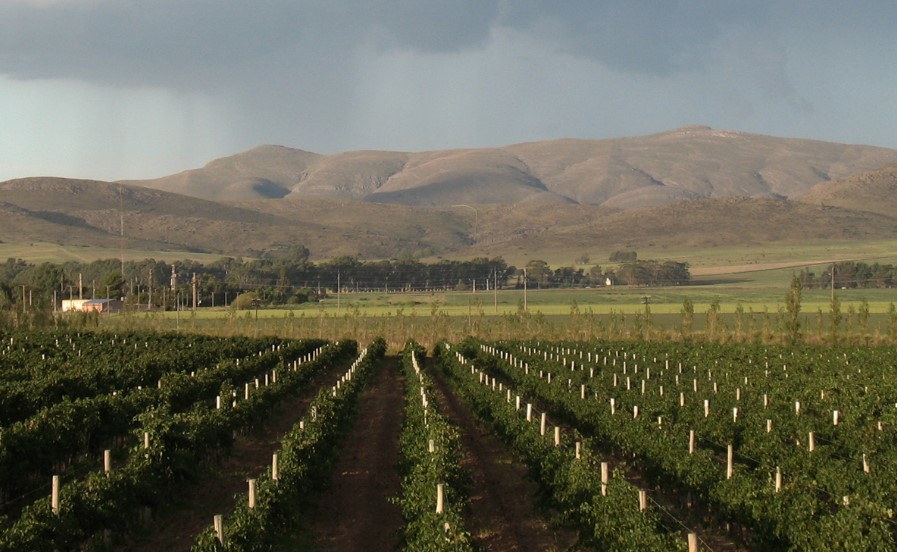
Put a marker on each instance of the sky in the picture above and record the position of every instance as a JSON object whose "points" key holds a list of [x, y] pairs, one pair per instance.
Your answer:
{"points": [[125, 89]]}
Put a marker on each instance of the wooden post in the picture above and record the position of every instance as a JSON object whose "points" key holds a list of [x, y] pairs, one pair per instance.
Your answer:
{"points": [[691, 441], [542, 424], [107, 461], [54, 495], [865, 464], [635, 412], [251, 494], [692, 542], [768, 425], [439, 498], [642, 500], [812, 442], [835, 417], [246, 392], [706, 408], [734, 413], [145, 439], [578, 446], [557, 436], [431, 446], [729, 457], [218, 523], [681, 399], [603, 478], [613, 407], [275, 474], [778, 478]]}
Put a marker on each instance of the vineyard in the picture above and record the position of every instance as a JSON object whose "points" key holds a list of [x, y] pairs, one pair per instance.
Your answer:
{"points": [[148, 441]]}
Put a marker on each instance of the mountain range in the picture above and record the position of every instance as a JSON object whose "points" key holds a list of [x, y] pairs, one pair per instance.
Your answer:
{"points": [[694, 185]]}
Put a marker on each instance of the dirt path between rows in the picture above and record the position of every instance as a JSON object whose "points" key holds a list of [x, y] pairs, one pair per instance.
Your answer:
{"points": [[176, 528], [354, 512], [504, 514]]}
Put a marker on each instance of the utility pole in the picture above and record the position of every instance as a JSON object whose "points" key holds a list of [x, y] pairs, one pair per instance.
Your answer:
{"points": [[149, 303], [337, 290], [524, 289], [194, 292], [495, 290], [833, 283], [80, 286], [121, 239]]}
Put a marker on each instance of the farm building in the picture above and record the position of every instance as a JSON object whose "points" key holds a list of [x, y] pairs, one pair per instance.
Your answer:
{"points": [[88, 305], [73, 305], [102, 305]]}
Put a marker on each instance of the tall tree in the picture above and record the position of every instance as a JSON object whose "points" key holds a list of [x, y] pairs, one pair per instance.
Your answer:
{"points": [[792, 305]]}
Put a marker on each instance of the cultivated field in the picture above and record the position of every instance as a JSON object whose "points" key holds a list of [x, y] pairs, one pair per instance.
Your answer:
{"points": [[152, 441]]}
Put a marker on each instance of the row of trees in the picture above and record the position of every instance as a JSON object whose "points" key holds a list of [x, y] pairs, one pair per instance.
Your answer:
{"points": [[294, 279], [851, 274]]}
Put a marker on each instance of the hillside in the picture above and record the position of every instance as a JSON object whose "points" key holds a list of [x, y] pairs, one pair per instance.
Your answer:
{"points": [[624, 173], [87, 213], [685, 188], [872, 192]]}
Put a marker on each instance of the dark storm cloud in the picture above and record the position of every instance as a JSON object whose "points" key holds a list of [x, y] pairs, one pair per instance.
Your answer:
{"points": [[172, 42], [196, 42], [641, 36]]}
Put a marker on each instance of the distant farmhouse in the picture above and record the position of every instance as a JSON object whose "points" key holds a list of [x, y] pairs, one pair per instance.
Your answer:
{"points": [[91, 305]]}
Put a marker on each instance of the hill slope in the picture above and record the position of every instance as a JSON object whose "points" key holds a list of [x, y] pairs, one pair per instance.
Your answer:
{"points": [[625, 173], [873, 192], [685, 188]]}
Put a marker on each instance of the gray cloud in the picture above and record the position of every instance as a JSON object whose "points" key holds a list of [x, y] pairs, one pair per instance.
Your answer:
{"points": [[183, 42], [329, 75]]}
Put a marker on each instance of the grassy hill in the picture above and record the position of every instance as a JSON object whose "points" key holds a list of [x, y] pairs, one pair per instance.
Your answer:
{"points": [[625, 173], [694, 187], [871, 192]]}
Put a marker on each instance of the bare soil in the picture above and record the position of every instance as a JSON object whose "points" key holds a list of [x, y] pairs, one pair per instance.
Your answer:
{"points": [[354, 511]]}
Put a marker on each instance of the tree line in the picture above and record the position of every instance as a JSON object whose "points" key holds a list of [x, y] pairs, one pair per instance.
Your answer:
{"points": [[850, 275], [293, 278]]}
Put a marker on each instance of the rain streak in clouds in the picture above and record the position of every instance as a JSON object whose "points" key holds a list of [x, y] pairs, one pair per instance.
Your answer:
{"points": [[135, 89]]}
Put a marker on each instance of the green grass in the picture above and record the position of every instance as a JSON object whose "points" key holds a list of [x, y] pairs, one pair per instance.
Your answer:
{"points": [[561, 302]]}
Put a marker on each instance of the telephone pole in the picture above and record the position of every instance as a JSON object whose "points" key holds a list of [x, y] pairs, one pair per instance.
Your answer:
{"points": [[194, 292]]}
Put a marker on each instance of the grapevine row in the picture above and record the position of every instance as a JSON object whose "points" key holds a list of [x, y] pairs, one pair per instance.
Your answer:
{"points": [[433, 495], [171, 445], [266, 510], [609, 513]]}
